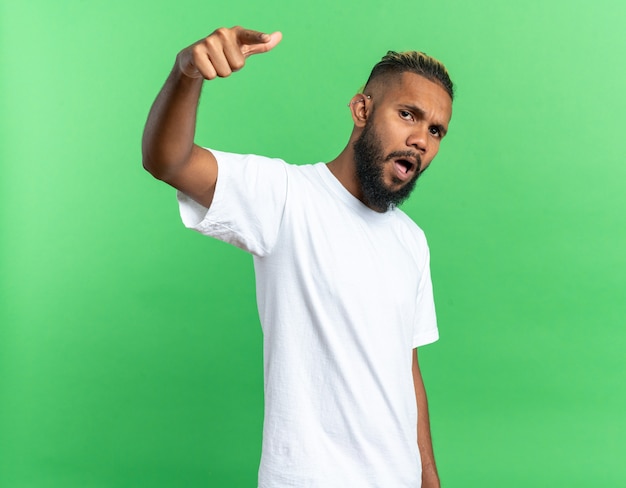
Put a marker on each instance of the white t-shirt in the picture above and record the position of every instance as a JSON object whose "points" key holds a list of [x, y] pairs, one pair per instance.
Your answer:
{"points": [[344, 295]]}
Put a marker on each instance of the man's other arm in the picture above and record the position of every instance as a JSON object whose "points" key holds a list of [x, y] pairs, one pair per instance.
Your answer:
{"points": [[168, 148], [430, 477]]}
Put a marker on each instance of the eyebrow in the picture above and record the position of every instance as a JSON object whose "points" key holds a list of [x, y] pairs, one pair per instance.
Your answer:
{"points": [[420, 112]]}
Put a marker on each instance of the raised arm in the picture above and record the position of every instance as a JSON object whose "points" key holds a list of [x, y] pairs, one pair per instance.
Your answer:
{"points": [[168, 148]]}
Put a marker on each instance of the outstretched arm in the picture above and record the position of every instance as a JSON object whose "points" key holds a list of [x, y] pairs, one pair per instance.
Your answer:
{"points": [[168, 148], [430, 477]]}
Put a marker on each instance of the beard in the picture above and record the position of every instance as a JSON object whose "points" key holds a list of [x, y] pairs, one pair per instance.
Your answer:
{"points": [[370, 162]]}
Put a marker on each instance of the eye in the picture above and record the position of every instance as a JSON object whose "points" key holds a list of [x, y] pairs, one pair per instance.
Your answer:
{"points": [[435, 131], [406, 115]]}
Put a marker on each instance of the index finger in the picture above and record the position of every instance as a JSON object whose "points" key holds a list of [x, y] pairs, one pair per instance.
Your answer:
{"points": [[270, 42], [255, 42], [250, 37]]}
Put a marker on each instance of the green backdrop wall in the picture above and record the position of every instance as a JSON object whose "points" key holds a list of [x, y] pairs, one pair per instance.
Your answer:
{"points": [[130, 350]]}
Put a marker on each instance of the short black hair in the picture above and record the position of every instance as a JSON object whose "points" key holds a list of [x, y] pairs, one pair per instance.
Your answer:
{"points": [[413, 62]]}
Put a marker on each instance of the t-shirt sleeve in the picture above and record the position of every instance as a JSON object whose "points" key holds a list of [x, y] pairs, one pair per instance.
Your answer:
{"points": [[425, 330], [248, 204]]}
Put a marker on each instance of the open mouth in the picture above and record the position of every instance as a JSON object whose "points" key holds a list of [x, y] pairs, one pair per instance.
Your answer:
{"points": [[404, 167]]}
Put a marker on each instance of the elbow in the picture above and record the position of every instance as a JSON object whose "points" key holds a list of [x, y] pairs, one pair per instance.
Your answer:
{"points": [[157, 167], [152, 168], [147, 160], [162, 161], [153, 157]]}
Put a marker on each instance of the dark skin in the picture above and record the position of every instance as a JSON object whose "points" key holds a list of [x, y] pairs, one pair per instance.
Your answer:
{"points": [[409, 113], [168, 148]]}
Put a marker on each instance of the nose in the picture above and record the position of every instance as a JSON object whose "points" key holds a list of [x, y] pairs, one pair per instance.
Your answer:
{"points": [[418, 138]]}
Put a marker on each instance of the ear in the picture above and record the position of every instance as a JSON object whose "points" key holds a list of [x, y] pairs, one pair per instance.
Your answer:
{"points": [[360, 109]]}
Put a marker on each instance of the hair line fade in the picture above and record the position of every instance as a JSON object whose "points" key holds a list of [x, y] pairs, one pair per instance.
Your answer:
{"points": [[395, 63]]}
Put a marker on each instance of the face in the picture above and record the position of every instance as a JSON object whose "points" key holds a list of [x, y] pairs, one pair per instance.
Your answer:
{"points": [[403, 128]]}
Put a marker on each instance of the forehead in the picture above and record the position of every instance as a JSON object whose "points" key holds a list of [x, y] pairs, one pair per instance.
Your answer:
{"points": [[413, 89]]}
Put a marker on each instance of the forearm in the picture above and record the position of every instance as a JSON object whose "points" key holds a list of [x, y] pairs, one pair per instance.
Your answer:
{"points": [[168, 148], [430, 477], [169, 133]]}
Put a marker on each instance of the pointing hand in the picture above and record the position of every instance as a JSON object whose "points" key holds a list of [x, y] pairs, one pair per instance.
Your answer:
{"points": [[224, 52]]}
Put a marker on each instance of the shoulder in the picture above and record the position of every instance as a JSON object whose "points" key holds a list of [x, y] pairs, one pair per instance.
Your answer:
{"points": [[409, 224], [256, 162], [249, 171], [411, 234], [229, 157]]}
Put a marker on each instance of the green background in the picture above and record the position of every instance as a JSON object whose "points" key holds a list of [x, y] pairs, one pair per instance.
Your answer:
{"points": [[130, 350]]}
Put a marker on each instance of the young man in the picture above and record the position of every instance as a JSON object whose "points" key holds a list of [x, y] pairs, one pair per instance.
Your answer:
{"points": [[343, 281]]}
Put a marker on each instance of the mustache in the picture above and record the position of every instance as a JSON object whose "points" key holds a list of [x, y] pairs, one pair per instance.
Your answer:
{"points": [[414, 157]]}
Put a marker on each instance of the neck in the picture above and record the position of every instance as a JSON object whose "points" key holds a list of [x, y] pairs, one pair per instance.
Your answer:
{"points": [[344, 169]]}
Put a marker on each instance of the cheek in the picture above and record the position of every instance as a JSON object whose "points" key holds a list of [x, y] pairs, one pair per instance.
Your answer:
{"points": [[433, 150], [386, 139], [392, 133]]}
